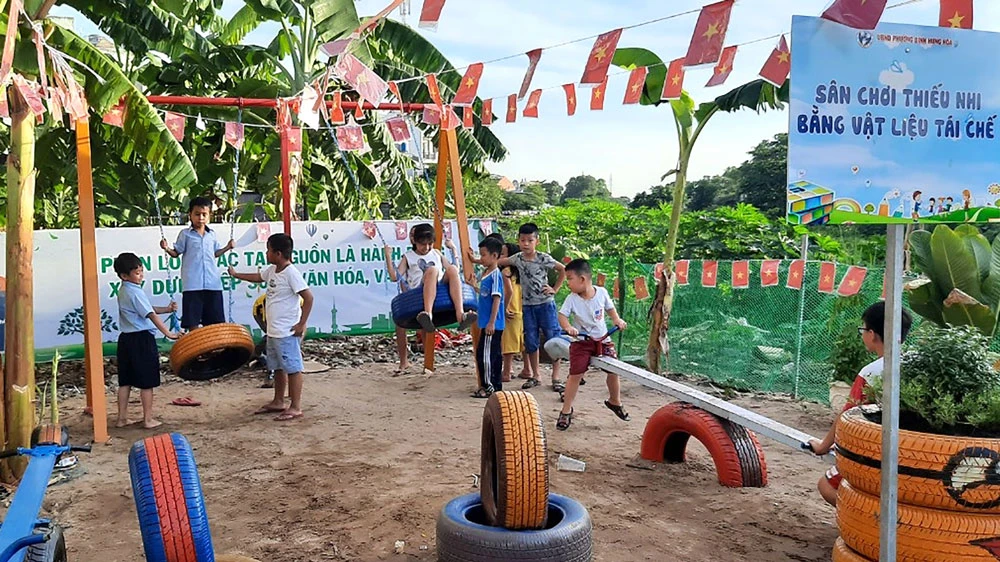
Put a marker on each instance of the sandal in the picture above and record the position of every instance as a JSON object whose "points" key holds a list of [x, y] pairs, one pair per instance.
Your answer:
{"points": [[618, 410], [530, 383], [468, 319], [558, 386], [426, 322], [583, 382], [482, 393], [564, 420]]}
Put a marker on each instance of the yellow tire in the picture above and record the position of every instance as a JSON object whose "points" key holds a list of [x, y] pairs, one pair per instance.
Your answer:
{"points": [[515, 473], [922, 534], [841, 553], [212, 351], [936, 471]]}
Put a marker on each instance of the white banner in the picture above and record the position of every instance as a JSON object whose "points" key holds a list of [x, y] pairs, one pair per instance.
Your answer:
{"points": [[344, 267]]}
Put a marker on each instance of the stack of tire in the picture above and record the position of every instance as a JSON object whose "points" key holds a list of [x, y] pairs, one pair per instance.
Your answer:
{"points": [[514, 517], [949, 494]]}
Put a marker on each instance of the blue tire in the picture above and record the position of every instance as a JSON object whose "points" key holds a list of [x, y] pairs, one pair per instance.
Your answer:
{"points": [[169, 500], [406, 306], [463, 536]]}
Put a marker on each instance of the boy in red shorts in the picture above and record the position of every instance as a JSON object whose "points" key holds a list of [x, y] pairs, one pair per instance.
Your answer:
{"points": [[871, 331]]}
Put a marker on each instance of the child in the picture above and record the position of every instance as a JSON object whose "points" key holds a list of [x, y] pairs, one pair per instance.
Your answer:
{"points": [[871, 330], [539, 307], [286, 324], [138, 356], [201, 283], [491, 291], [512, 343], [587, 304]]}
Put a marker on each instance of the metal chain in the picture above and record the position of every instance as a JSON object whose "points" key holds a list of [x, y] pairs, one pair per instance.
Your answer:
{"points": [[163, 236], [232, 220]]}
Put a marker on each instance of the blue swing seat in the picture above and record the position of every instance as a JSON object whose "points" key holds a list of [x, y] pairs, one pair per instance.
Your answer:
{"points": [[407, 304]]}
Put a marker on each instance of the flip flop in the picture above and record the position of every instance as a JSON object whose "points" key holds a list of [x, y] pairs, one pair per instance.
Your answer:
{"points": [[268, 410], [468, 319], [288, 417], [185, 401], [426, 322]]}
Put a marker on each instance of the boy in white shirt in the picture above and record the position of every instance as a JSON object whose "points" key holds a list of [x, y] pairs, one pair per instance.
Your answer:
{"points": [[286, 324], [588, 306]]}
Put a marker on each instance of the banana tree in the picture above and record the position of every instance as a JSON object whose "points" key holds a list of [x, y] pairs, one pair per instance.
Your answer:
{"points": [[690, 120]]}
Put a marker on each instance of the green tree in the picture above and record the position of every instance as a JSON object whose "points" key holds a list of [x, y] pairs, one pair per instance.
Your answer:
{"points": [[483, 197], [763, 177], [553, 192], [656, 196], [585, 187], [530, 198]]}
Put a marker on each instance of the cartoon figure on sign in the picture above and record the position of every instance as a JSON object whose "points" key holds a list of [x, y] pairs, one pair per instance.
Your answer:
{"points": [[948, 205], [884, 206], [916, 205], [966, 199], [930, 205]]}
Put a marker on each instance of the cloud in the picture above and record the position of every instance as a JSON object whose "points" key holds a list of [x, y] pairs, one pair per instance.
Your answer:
{"points": [[897, 76]]}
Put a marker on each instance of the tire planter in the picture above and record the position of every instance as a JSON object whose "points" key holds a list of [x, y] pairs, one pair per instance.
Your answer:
{"points": [[169, 501], [843, 553], [52, 550], [935, 471], [211, 352], [923, 535], [514, 487], [738, 456], [464, 536], [406, 306]]}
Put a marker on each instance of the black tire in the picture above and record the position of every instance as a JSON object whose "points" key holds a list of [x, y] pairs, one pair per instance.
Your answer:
{"points": [[463, 536], [52, 550], [406, 305]]}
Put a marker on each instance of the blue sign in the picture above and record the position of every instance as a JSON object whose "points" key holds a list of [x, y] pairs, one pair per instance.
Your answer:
{"points": [[893, 125]]}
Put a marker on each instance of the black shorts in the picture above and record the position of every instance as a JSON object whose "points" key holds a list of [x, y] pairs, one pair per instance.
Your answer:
{"points": [[138, 360], [201, 308]]}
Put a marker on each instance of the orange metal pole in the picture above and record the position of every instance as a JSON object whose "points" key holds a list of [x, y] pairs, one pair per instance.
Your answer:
{"points": [[286, 196]]}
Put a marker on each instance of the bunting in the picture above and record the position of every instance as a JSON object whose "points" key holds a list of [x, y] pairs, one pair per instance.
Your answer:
{"points": [[468, 117], [778, 65], [850, 285], [641, 289], [570, 90], [709, 34], [827, 276], [674, 84], [956, 13], [531, 108], [600, 57], [336, 109], [724, 67], [361, 78], [636, 80], [741, 274], [769, 273], [681, 269], [597, 95], [234, 135], [431, 13], [486, 116], [175, 124], [859, 14], [466, 93], [709, 273], [350, 137], [796, 271], [398, 128], [533, 58], [512, 108], [116, 115]]}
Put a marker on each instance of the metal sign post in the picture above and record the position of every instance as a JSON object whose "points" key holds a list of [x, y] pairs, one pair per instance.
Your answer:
{"points": [[890, 390]]}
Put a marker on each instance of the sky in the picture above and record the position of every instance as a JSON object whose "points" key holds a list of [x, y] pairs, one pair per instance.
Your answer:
{"points": [[631, 147]]}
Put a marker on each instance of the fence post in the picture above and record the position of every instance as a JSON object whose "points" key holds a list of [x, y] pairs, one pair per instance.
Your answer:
{"points": [[802, 311], [621, 297]]}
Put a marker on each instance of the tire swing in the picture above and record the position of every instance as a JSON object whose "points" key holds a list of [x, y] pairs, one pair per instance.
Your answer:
{"points": [[408, 304]]}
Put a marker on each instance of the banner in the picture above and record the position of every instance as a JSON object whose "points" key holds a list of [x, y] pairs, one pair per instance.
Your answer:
{"points": [[345, 270], [893, 125]]}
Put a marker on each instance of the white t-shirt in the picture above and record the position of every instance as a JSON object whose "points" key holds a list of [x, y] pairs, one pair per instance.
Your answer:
{"points": [[872, 371], [283, 308], [588, 315], [417, 264]]}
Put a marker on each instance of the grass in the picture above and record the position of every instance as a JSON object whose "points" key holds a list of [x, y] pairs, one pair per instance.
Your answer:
{"points": [[978, 214]]}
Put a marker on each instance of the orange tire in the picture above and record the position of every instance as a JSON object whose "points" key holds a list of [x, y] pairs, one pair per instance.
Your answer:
{"points": [[936, 471], [739, 459], [922, 534], [212, 351], [841, 553]]}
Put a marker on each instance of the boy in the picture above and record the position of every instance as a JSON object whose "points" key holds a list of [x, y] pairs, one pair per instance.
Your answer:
{"points": [[489, 359], [871, 331], [587, 305], [539, 306], [286, 324], [201, 283], [138, 356]]}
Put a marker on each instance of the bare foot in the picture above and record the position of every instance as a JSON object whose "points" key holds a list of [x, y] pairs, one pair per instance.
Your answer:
{"points": [[123, 423], [271, 408], [152, 424]]}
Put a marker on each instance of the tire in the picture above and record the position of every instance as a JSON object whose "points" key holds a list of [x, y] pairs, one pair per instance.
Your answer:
{"points": [[48, 434], [514, 479], [52, 550], [936, 471], [462, 535], [169, 501], [738, 456], [211, 352], [406, 305], [922, 534], [842, 553]]}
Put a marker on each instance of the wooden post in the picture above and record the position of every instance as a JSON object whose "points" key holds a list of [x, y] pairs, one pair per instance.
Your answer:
{"points": [[19, 371], [286, 178], [440, 191], [93, 348]]}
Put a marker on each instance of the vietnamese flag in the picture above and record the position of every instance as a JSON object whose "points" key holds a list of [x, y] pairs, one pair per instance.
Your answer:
{"points": [[434, 90], [570, 90], [449, 119], [431, 13], [681, 269], [512, 108], [641, 290], [336, 109], [723, 68], [850, 285], [709, 34], [400, 230], [674, 84], [777, 66], [709, 273], [636, 80], [796, 271], [617, 289], [597, 95], [486, 116], [234, 135], [466, 93], [827, 276], [741, 274], [531, 110], [114, 117], [769, 273], [399, 130], [175, 124], [350, 137], [600, 57], [601, 279], [468, 115], [859, 14], [956, 13], [658, 271], [533, 58]]}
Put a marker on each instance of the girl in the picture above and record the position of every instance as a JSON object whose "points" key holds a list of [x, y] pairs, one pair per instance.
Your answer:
{"points": [[512, 342]]}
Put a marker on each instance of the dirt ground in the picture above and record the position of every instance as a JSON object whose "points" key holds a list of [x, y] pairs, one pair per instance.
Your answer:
{"points": [[377, 456]]}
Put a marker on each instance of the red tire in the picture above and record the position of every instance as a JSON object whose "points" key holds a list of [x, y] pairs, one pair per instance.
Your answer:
{"points": [[738, 457]]}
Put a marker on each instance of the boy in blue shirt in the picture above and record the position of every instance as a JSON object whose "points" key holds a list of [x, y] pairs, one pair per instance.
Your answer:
{"points": [[489, 357], [138, 356]]}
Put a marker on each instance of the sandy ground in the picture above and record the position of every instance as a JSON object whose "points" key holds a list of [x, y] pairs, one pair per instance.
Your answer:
{"points": [[377, 456]]}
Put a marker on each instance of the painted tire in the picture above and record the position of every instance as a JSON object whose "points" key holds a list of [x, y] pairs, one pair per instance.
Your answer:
{"points": [[211, 352], [406, 306], [514, 485], [937, 471], [923, 535], [738, 457], [169, 501], [843, 553], [462, 535], [52, 550]]}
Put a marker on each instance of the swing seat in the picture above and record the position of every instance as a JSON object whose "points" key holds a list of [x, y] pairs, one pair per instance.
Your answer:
{"points": [[211, 352], [408, 304]]}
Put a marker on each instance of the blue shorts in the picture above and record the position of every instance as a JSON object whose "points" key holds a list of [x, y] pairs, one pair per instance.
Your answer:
{"points": [[201, 308], [284, 354], [539, 317]]}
